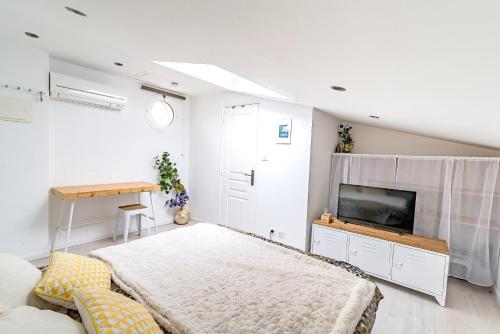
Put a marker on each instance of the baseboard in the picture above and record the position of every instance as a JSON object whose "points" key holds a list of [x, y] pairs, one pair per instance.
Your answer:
{"points": [[199, 220], [80, 241]]}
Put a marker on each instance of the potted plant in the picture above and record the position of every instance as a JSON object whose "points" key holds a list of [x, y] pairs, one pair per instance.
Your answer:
{"points": [[345, 138], [170, 181]]}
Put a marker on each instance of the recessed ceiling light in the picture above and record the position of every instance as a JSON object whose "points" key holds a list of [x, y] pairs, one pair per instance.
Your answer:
{"points": [[173, 83], [223, 78], [340, 89], [76, 11], [30, 34], [375, 117], [118, 63]]}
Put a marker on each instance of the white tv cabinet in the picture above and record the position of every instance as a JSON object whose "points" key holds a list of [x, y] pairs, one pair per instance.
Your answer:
{"points": [[416, 262]]}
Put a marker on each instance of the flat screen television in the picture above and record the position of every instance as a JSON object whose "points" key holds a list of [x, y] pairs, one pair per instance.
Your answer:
{"points": [[377, 207]]}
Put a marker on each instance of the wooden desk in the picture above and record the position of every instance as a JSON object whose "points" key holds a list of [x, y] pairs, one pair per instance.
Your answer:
{"points": [[70, 193]]}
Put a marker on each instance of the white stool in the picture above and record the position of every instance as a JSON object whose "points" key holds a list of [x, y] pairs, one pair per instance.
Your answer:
{"points": [[126, 211]]}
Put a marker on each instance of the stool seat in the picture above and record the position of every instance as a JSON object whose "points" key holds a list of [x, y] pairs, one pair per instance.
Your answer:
{"points": [[132, 207]]}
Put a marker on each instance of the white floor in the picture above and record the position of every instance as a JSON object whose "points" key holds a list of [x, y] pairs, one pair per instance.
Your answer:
{"points": [[469, 309]]}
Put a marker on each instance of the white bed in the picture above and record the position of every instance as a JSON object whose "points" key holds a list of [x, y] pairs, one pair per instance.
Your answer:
{"points": [[209, 279]]}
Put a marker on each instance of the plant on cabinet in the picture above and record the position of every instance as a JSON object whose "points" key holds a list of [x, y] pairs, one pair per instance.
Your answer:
{"points": [[345, 138]]}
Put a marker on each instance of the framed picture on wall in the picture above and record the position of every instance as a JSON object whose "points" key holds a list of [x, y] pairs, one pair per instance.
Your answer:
{"points": [[284, 131]]}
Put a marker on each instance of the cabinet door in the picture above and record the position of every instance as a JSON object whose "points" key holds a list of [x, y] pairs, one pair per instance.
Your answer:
{"points": [[373, 256], [329, 243], [419, 269]]}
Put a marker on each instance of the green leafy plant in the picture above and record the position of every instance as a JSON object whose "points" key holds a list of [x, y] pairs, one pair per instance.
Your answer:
{"points": [[345, 134], [346, 141], [170, 180]]}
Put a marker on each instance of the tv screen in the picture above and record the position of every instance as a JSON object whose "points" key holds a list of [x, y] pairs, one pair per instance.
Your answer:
{"points": [[379, 207]]}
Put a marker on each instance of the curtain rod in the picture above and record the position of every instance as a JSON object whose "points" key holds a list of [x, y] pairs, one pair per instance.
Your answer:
{"points": [[162, 92], [417, 156]]}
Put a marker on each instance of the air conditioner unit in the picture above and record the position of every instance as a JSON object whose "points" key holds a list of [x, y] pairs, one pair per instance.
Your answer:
{"points": [[69, 89]]}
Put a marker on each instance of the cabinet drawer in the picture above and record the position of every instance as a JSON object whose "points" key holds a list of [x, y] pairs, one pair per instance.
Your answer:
{"points": [[419, 269], [373, 256], [119, 191], [92, 194], [329, 243]]}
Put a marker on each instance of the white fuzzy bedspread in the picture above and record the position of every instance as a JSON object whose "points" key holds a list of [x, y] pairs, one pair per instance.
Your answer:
{"points": [[209, 279]]}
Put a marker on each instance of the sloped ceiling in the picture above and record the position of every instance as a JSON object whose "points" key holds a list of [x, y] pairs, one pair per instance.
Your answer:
{"points": [[425, 67]]}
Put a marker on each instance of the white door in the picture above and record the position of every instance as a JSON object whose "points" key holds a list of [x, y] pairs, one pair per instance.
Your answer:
{"points": [[238, 174]]}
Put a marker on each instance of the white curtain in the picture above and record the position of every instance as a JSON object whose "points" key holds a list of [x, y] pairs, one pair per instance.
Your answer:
{"points": [[474, 226], [375, 171], [431, 178], [458, 200], [339, 173]]}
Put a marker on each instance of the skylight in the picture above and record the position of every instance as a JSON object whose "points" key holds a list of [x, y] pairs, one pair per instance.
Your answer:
{"points": [[223, 78]]}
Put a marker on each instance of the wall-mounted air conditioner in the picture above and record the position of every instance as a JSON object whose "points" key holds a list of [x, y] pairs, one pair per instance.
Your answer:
{"points": [[69, 89]]}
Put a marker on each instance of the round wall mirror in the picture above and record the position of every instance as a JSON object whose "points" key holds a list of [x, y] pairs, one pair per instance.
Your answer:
{"points": [[159, 114]]}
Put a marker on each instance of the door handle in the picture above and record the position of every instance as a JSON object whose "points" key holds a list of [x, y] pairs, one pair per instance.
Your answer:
{"points": [[252, 177]]}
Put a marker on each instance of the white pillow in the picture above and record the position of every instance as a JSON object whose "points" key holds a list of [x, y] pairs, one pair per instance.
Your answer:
{"points": [[18, 277], [30, 320]]}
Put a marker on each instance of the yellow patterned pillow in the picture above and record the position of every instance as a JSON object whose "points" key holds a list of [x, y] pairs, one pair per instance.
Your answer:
{"points": [[67, 272], [104, 311]]}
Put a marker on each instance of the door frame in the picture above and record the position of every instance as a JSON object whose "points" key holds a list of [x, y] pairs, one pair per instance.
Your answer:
{"points": [[221, 160]]}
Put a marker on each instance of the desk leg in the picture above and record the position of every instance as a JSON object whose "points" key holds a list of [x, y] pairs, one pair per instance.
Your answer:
{"points": [[139, 217], [70, 220], [153, 211], [59, 225]]}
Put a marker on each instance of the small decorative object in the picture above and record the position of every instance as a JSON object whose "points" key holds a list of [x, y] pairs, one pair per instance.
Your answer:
{"points": [[326, 216], [182, 217], [284, 131], [169, 180], [346, 141], [347, 148]]}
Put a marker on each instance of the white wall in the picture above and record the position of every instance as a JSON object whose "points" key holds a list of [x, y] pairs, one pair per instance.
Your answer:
{"points": [[24, 151], [282, 181], [90, 145], [497, 285], [68, 144], [373, 140], [323, 142]]}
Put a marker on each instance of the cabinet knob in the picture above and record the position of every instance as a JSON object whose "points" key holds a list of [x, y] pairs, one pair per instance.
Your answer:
{"points": [[398, 264], [354, 252]]}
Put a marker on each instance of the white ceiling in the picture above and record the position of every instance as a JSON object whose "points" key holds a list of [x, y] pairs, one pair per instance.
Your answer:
{"points": [[425, 67]]}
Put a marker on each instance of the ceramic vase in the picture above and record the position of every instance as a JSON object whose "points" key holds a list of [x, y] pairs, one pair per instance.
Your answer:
{"points": [[182, 217]]}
